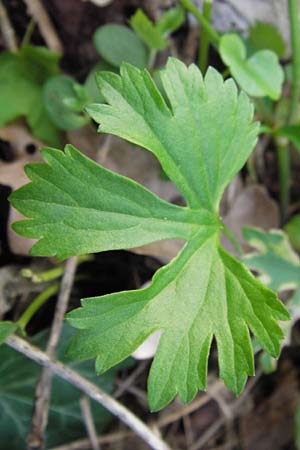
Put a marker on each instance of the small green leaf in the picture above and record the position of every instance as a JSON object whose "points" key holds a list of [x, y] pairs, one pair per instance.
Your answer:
{"points": [[267, 363], [22, 75], [202, 136], [274, 258], [291, 132], [292, 229], [63, 104], [117, 43], [265, 36], [90, 83], [260, 75], [6, 329], [171, 20], [18, 378], [147, 31]]}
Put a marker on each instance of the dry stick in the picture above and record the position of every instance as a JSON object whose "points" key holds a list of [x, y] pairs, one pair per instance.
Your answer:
{"points": [[222, 420], [191, 407], [90, 389], [89, 422], [84, 444], [35, 439], [7, 29], [37, 10], [123, 385]]}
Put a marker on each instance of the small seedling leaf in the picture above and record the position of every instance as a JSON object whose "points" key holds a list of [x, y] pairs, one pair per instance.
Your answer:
{"points": [[260, 75]]}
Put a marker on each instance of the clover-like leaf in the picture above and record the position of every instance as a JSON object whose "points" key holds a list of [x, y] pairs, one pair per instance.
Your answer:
{"points": [[274, 258], [260, 75], [117, 43], [202, 136]]}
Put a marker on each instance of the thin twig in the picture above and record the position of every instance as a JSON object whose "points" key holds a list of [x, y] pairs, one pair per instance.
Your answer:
{"points": [[37, 10], [191, 407], [89, 422], [90, 389], [7, 29], [35, 439], [124, 385], [84, 444], [235, 406]]}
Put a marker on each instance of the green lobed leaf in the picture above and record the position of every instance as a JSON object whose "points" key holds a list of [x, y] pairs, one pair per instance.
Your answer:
{"points": [[6, 329], [171, 20], [266, 36], [273, 258], [192, 300], [117, 43], [259, 75], [182, 136], [96, 209], [60, 94], [151, 35], [22, 75], [202, 136], [292, 229], [18, 378]]}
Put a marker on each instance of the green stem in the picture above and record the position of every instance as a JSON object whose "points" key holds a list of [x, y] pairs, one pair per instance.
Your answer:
{"points": [[283, 158], [233, 239], [43, 277], [28, 33], [203, 22], [52, 274], [283, 153], [36, 304], [152, 57], [204, 37], [294, 10]]}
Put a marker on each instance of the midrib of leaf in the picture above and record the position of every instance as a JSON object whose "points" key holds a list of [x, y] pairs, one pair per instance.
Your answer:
{"points": [[199, 153]]}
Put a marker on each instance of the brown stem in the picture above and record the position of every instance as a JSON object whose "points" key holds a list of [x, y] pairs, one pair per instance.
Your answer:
{"points": [[90, 389], [35, 439]]}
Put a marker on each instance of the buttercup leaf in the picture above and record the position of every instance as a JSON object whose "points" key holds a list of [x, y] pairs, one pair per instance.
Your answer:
{"points": [[202, 136]]}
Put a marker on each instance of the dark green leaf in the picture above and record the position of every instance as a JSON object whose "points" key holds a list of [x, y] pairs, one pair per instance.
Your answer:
{"points": [[266, 36], [18, 377], [6, 329], [260, 75], [22, 75], [291, 132], [117, 43]]}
